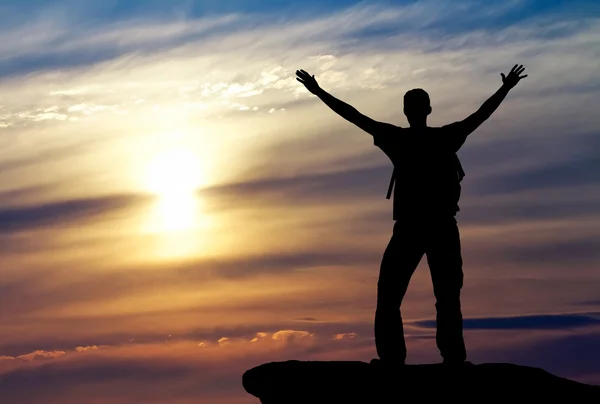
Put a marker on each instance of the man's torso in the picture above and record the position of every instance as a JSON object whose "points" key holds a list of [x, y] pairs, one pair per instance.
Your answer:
{"points": [[425, 168]]}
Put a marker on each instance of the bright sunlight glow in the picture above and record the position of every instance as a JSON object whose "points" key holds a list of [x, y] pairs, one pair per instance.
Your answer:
{"points": [[175, 172], [175, 176]]}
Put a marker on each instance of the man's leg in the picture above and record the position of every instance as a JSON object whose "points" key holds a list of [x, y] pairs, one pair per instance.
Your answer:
{"points": [[400, 260], [445, 263]]}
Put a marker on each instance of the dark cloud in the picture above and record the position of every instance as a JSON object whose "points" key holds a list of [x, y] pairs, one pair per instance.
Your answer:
{"points": [[18, 195], [64, 213], [573, 172], [575, 251], [556, 160], [32, 291], [319, 187], [590, 303], [545, 207], [284, 262], [533, 322]]}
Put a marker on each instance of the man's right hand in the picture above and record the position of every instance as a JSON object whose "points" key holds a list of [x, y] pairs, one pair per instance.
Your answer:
{"points": [[309, 81], [513, 77]]}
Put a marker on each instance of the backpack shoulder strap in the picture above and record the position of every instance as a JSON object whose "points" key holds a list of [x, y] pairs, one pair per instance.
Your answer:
{"points": [[461, 172], [391, 186]]}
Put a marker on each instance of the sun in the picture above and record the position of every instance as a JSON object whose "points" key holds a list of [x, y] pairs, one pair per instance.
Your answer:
{"points": [[174, 176], [174, 172]]}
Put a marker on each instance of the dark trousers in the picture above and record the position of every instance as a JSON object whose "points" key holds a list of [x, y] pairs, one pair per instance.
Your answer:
{"points": [[439, 240]]}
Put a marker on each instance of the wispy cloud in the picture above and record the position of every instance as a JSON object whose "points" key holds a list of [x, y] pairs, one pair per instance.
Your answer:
{"points": [[531, 322], [62, 213]]}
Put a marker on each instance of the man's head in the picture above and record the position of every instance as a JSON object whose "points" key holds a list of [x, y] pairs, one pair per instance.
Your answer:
{"points": [[416, 104]]}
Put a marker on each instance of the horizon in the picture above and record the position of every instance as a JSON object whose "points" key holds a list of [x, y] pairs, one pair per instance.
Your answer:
{"points": [[175, 208]]}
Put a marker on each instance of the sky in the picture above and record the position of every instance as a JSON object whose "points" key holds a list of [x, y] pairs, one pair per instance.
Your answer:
{"points": [[175, 208]]}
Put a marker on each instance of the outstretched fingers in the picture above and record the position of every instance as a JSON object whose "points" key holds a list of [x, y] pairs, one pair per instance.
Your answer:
{"points": [[520, 71], [517, 69], [302, 73]]}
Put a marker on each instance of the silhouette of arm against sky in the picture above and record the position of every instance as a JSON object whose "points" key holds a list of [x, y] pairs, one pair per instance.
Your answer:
{"points": [[343, 109], [473, 121]]}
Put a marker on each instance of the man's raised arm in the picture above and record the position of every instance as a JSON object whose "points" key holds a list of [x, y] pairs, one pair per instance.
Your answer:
{"points": [[487, 109], [344, 110]]}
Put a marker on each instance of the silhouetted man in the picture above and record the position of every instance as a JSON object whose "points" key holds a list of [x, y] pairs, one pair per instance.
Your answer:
{"points": [[427, 173]]}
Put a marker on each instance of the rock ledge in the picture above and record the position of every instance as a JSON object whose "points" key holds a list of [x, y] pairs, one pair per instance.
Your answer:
{"points": [[294, 382]]}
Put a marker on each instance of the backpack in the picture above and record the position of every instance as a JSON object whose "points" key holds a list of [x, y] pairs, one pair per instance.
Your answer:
{"points": [[460, 174]]}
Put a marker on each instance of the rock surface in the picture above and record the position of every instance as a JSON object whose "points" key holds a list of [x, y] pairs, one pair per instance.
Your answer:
{"points": [[294, 382]]}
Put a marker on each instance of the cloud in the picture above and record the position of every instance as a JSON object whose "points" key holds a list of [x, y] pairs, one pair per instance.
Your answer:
{"points": [[315, 188], [591, 302], [349, 335], [259, 336], [90, 348], [63, 213], [571, 167], [291, 335], [40, 354], [525, 322], [307, 319]]}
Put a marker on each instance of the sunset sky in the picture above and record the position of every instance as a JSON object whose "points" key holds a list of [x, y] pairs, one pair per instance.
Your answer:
{"points": [[175, 208]]}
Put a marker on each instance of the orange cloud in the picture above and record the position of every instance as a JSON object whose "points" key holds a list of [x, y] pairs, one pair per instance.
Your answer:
{"points": [[259, 335], [90, 348], [347, 335], [41, 354], [291, 334]]}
